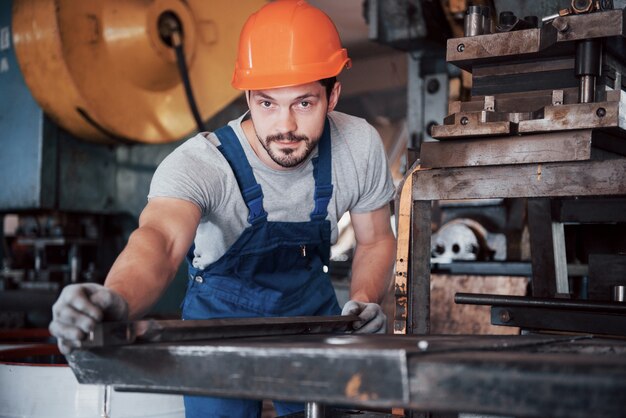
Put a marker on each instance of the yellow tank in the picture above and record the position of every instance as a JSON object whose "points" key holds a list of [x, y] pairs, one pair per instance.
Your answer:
{"points": [[100, 69]]}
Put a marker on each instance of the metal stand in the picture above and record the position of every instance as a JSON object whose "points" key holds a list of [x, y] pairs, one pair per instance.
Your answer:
{"points": [[527, 180]]}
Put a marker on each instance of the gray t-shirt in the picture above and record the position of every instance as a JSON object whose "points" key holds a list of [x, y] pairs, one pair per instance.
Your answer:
{"points": [[197, 172]]}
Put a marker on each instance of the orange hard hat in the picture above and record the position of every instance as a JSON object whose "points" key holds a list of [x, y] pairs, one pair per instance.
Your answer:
{"points": [[286, 43]]}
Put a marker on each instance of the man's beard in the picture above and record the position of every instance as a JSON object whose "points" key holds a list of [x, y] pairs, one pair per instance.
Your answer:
{"points": [[286, 158]]}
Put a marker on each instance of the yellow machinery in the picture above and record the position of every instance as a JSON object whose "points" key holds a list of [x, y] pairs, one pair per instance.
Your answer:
{"points": [[103, 71], [76, 77]]}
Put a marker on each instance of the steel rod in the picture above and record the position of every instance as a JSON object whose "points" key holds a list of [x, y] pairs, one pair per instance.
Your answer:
{"points": [[501, 300]]}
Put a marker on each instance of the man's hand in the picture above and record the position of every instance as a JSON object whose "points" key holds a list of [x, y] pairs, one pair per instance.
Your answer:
{"points": [[79, 308], [372, 320]]}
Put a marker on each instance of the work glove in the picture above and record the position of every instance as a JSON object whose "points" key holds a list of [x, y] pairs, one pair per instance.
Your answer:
{"points": [[372, 320], [79, 308]]}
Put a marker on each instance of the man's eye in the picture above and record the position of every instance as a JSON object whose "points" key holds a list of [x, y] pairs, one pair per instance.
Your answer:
{"points": [[305, 104], [265, 103]]}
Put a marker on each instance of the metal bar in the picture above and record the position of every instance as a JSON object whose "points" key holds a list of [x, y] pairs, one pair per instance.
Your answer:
{"points": [[332, 369], [128, 332], [498, 268], [500, 47], [419, 279], [539, 303], [519, 383], [560, 259], [523, 180], [558, 146], [471, 374], [463, 52], [544, 277], [559, 320], [597, 210], [575, 116]]}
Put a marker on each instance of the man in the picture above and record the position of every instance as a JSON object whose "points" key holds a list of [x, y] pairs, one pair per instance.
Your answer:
{"points": [[258, 201]]}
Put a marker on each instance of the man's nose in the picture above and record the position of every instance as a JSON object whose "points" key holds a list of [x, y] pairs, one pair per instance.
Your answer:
{"points": [[286, 122]]}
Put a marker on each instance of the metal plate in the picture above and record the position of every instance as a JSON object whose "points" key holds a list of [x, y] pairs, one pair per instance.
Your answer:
{"points": [[533, 375]]}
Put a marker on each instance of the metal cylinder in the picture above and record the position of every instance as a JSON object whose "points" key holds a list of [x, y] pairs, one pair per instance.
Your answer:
{"points": [[589, 57], [587, 89], [588, 67], [314, 410], [473, 23], [486, 29], [619, 293]]}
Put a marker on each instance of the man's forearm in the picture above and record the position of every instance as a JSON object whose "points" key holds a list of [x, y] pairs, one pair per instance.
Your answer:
{"points": [[371, 270], [143, 270]]}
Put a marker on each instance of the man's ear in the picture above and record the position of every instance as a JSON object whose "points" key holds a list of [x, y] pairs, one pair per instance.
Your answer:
{"points": [[334, 96]]}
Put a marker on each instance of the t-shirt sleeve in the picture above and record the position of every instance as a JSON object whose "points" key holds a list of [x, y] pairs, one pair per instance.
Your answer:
{"points": [[377, 186], [185, 174]]}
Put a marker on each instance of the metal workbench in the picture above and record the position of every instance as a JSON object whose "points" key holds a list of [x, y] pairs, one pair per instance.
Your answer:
{"points": [[538, 376]]}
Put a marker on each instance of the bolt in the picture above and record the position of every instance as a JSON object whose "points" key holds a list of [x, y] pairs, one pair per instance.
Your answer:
{"points": [[601, 112], [433, 86], [464, 120], [560, 24], [429, 127], [460, 47], [505, 316]]}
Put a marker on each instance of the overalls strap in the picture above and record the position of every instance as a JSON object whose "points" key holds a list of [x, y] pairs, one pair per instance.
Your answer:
{"points": [[322, 172], [250, 189]]}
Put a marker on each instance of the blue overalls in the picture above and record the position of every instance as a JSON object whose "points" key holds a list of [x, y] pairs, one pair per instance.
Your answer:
{"points": [[273, 269]]}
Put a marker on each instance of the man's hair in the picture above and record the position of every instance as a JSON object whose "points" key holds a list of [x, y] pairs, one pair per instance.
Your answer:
{"points": [[328, 83]]}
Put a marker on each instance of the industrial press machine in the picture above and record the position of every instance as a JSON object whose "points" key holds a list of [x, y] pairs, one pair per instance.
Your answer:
{"points": [[543, 121]]}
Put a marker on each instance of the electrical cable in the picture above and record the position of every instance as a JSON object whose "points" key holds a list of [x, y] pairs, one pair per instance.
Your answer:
{"points": [[177, 43]]}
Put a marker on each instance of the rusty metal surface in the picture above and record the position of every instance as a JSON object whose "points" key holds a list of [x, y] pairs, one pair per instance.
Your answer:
{"points": [[490, 374], [549, 118], [152, 331], [582, 178], [595, 25], [463, 52], [576, 116], [466, 51], [558, 146], [473, 124]]}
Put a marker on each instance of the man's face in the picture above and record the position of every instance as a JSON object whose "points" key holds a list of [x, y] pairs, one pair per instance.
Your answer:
{"points": [[288, 122]]}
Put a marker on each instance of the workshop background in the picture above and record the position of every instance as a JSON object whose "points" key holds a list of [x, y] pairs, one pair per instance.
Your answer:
{"points": [[477, 103]]}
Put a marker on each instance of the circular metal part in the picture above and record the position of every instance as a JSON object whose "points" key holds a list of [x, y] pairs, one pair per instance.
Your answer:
{"points": [[460, 47], [505, 316], [433, 86], [601, 112], [464, 120], [430, 126], [582, 6], [473, 21], [507, 18], [561, 24], [104, 71]]}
